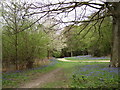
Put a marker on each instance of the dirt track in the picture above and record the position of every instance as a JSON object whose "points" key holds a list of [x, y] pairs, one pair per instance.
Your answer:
{"points": [[42, 79]]}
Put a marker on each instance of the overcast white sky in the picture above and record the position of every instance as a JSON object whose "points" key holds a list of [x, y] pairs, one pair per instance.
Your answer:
{"points": [[54, 1], [71, 15]]}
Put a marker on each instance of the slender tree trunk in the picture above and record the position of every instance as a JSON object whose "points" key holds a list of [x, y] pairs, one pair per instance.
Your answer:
{"points": [[48, 54], [29, 63], [16, 39], [71, 52], [115, 57], [16, 52]]}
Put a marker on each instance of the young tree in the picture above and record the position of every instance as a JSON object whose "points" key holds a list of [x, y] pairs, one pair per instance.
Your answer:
{"points": [[12, 14], [21, 42]]}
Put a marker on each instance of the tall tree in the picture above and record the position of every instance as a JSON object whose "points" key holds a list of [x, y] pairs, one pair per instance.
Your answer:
{"points": [[115, 10]]}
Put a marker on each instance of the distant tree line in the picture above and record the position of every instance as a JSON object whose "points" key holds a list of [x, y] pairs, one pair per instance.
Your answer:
{"points": [[94, 42]]}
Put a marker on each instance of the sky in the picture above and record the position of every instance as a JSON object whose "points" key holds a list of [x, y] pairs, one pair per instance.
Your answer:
{"points": [[54, 1], [71, 15]]}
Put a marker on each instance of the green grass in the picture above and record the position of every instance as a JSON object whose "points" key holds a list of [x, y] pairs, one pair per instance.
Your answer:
{"points": [[87, 75], [87, 58], [77, 75], [97, 75], [55, 84]]}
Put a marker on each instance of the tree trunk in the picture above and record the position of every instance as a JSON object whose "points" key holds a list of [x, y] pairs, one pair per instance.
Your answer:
{"points": [[115, 57], [48, 54], [29, 64], [71, 53], [16, 52]]}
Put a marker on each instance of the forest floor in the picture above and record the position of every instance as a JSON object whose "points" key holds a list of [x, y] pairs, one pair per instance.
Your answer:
{"points": [[52, 76], [57, 74], [63, 73]]}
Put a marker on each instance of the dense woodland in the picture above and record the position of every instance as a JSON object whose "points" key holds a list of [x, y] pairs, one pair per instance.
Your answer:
{"points": [[25, 39]]}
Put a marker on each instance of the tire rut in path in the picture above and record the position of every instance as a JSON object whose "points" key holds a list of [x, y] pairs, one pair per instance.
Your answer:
{"points": [[42, 79]]}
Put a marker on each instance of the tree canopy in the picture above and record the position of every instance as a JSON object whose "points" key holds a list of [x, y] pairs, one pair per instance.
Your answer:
{"points": [[77, 18]]}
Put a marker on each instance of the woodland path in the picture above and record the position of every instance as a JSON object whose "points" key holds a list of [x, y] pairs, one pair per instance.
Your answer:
{"points": [[53, 75], [43, 79]]}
